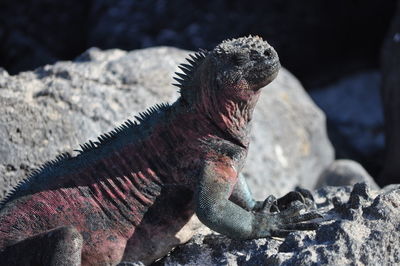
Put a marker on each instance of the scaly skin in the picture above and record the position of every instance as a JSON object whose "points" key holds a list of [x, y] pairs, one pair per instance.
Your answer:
{"points": [[144, 181]]}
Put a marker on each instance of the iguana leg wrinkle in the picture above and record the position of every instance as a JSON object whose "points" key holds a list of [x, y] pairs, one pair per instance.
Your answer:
{"points": [[241, 195], [157, 234], [215, 209], [60, 246]]}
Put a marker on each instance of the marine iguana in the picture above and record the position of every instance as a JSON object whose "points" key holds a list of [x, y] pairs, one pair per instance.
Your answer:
{"points": [[147, 178]]}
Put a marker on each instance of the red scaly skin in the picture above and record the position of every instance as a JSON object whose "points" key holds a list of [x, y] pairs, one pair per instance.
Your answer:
{"points": [[107, 199]]}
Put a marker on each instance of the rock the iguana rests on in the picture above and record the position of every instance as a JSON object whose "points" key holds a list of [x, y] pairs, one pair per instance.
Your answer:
{"points": [[149, 177]]}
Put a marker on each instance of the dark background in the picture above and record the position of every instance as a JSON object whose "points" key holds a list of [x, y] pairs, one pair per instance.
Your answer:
{"points": [[318, 41]]}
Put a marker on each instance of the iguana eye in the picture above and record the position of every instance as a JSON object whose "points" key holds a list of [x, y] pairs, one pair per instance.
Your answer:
{"points": [[239, 59]]}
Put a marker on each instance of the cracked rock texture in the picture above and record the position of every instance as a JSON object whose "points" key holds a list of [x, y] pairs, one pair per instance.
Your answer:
{"points": [[360, 227], [56, 107]]}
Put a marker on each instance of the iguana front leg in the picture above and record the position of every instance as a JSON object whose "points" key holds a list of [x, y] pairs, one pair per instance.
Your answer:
{"points": [[215, 210], [242, 196]]}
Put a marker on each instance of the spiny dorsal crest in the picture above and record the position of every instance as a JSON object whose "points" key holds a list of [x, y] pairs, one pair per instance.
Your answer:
{"points": [[47, 166], [143, 117], [140, 118], [231, 45], [188, 70], [51, 164]]}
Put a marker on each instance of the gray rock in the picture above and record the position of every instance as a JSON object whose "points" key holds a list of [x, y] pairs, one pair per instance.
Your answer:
{"points": [[57, 107], [54, 108], [353, 107], [290, 146], [359, 227], [345, 173]]}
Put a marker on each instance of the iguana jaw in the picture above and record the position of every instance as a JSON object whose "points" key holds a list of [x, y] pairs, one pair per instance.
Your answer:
{"points": [[266, 75], [263, 69]]}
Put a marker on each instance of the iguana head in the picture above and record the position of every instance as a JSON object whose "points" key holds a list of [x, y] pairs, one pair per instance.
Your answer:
{"points": [[248, 62], [225, 83]]}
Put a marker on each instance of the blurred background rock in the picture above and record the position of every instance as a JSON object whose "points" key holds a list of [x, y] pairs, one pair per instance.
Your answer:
{"points": [[319, 41], [333, 47]]}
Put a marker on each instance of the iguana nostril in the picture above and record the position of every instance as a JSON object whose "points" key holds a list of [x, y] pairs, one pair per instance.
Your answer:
{"points": [[268, 53]]}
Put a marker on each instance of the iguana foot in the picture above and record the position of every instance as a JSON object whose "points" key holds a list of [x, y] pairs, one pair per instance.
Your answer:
{"points": [[281, 223], [300, 194], [270, 203]]}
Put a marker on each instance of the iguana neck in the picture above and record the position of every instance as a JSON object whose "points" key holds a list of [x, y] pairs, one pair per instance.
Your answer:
{"points": [[234, 118], [231, 119]]}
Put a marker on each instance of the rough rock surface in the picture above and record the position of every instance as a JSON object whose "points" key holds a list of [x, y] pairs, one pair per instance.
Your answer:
{"points": [[54, 108], [391, 101], [345, 173], [358, 228]]}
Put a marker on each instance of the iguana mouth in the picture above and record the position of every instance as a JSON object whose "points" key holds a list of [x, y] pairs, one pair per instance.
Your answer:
{"points": [[266, 75]]}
